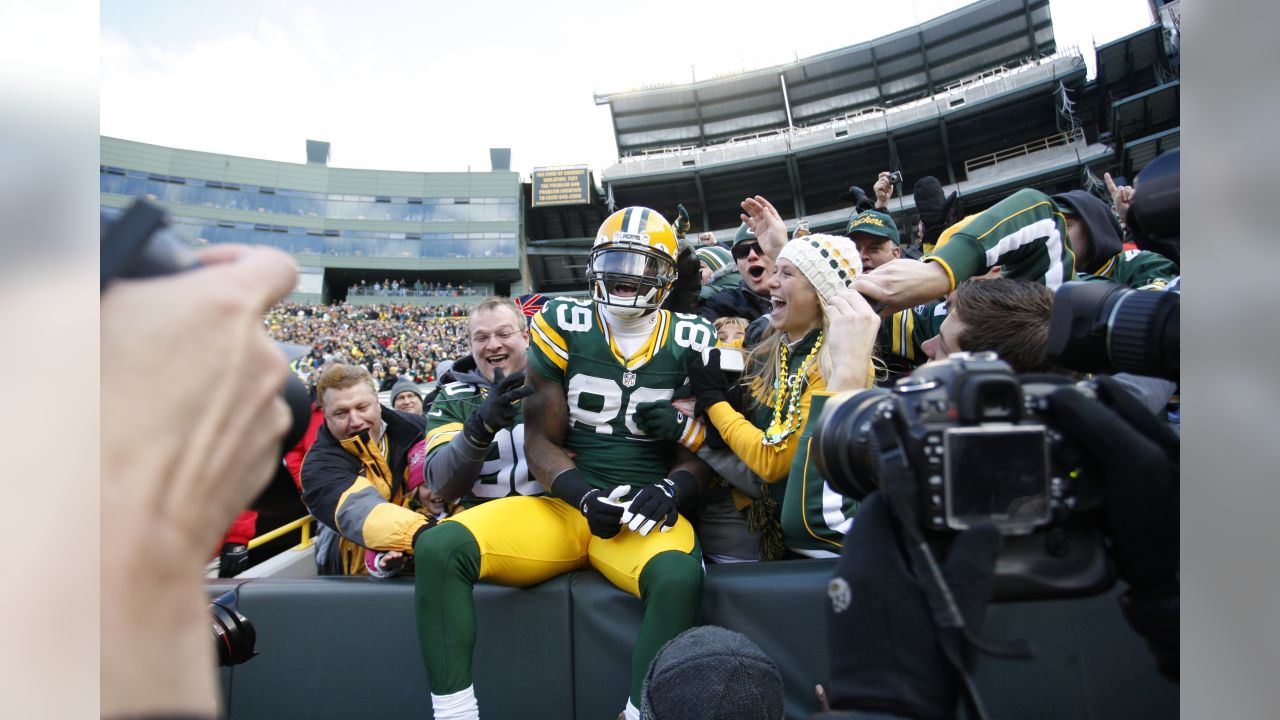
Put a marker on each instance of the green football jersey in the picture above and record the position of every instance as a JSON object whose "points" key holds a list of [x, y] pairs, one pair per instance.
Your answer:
{"points": [[1141, 269], [903, 335], [1025, 234], [814, 517], [572, 346], [505, 471]]}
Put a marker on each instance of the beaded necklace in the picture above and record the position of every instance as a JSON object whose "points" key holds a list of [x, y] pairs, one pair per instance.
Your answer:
{"points": [[787, 389]]}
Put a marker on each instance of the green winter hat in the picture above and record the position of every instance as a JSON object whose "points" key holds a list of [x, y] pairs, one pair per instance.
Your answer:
{"points": [[743, 233], [714, 257], [874, 222]]}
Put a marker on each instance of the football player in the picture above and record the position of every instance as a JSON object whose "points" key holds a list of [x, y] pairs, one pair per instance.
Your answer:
{"points": [[615, 490]]}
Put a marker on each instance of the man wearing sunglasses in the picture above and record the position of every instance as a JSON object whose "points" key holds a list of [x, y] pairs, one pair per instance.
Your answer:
{"points": [[750, 299]]}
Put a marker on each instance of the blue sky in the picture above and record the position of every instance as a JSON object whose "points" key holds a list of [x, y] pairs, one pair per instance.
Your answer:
{"points": [[409, 86]]}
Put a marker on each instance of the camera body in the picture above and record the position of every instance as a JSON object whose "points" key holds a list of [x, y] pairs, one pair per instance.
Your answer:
{"points": [[966, 442], [895, 179]]}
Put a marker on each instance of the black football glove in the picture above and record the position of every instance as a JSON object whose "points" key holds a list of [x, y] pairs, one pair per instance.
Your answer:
{"points": [[499, 408], [885, 651], [661, 420], [658, 504], [1137, 455], [709, 384], [603, 512]]}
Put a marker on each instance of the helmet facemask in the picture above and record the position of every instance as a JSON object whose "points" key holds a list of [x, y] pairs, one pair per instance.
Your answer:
{"points": [[631, 279]]}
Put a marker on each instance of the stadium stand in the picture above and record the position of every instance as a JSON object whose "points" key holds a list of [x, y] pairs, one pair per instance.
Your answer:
{"points": [[982, 98]]}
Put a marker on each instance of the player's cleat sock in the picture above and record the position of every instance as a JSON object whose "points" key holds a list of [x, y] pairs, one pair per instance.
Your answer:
{"points": [[458, 706]]}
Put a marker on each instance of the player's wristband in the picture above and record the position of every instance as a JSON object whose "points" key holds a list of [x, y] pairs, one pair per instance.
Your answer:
{"points": [[685, 483], [570, 487]]}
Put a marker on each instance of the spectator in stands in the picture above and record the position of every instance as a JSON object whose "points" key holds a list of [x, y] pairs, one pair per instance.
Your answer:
{"points": [[820, 334], [406, 397], [876, 235], [1025, 234], [475, 434], [178, 462], [1098, 241], [354, 476], [729, 330], [707, 239], [719, 271], [750, 299]]}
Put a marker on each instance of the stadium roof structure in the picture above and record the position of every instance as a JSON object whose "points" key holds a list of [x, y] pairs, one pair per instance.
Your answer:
{"points": [[907, 65], [1136, 54]]}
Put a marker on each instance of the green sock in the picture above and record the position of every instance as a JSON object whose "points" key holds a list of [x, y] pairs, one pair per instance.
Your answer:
{"points": [[447, 562], [671, 592]]}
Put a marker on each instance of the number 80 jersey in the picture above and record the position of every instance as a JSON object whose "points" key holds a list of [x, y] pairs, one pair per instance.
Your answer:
{"points": [[573, 346]]}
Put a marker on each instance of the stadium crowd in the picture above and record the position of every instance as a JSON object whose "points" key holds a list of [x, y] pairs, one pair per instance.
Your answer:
{"points": [[390, 341], [392, 287]]}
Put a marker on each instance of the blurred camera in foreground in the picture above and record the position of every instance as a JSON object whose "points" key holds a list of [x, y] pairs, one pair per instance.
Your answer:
{"points": [[965, 442], [233, 634]]}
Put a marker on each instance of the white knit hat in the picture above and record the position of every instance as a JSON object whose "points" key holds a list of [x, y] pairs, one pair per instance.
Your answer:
{"points": [[829, 262]]}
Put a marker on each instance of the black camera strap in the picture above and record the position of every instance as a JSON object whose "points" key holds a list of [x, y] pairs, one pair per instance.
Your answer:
{"points": [[956, 639]]}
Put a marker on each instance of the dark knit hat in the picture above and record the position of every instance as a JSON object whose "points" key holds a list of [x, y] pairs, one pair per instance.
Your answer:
{"points": [[403, 386], [744, 233], [710, 673], [1105, 236]]}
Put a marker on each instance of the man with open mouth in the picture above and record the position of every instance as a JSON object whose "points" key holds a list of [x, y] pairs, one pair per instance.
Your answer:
{"points": [[750, 299]]}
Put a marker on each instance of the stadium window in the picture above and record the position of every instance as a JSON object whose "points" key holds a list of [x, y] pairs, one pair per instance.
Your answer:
{"points": [[331, 233], [842, 133], [462, 201], [956, 102], [226, 224], [415, 201], [413, 236], [383, 199], [262, 227], [212, 183], [114, 170], [267, 190], [229, 186]]}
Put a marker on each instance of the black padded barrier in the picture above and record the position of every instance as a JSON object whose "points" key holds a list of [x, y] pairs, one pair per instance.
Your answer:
{"points": [[346, 647]]}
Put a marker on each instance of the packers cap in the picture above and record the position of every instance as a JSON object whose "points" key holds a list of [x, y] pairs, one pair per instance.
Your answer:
{"points": [[874, 222]]}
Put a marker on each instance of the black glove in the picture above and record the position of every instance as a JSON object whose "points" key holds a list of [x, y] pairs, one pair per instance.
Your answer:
{"points": [[662, 420], [709, 384], [658, 504], [1137, 455], [884, 648], [233, 559], [603, 512], [498, 409]]}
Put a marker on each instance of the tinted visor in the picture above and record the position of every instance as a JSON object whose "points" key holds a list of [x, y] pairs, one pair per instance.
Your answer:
{"points": [[619, 261]]}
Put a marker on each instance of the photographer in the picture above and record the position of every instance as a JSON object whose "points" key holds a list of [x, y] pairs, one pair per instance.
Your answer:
{"points": [[901, 628], [179, 461]]}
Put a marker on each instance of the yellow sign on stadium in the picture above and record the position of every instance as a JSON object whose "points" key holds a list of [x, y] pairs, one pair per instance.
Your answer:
{"points": [[561, 186]]}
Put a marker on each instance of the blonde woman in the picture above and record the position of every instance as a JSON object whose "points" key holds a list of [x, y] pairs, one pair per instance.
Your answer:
{"points": [[820, 337]]}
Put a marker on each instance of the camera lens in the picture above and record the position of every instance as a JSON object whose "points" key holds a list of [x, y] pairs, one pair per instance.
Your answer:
{"points": [[1103, 327], [233, 634], [843, 447]]}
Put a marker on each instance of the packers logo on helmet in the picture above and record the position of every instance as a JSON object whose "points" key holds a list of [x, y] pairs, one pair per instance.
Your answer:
{"points": [[633, 261]]}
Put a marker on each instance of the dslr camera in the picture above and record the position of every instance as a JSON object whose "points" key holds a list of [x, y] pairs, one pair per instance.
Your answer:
{"points": [[964, 442]]}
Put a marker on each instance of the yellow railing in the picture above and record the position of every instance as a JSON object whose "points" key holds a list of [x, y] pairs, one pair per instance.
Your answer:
{"points": [[302, 523]]}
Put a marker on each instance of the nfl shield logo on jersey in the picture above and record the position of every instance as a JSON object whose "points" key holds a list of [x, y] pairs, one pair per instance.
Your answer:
{"points": [[629, 379]]}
